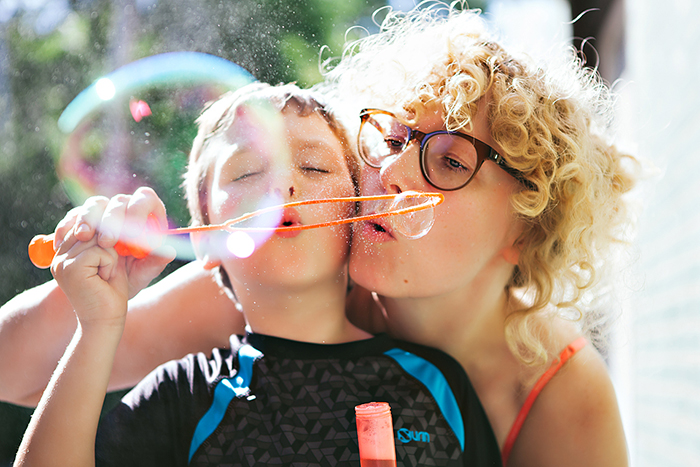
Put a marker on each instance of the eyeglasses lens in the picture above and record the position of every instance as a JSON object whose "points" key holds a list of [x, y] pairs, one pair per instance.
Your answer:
{"points": [[381, 136], [449, 160]]}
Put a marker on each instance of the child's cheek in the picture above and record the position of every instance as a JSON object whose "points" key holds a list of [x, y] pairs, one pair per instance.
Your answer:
{"points": [[221, 205], [234, 201]]}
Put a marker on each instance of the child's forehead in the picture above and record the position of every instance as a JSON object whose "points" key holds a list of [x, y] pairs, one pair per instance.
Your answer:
{"points": [[267, 130], [260, 120]]}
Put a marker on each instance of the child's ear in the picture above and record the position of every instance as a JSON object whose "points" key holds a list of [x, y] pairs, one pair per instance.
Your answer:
{"points": [[201, 242]]}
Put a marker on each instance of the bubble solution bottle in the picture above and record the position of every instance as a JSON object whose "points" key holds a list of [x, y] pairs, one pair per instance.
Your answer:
{"points": [[375, 435]]}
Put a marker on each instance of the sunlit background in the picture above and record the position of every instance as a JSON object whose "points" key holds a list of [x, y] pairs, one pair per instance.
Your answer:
{"points": [[50, 50]]}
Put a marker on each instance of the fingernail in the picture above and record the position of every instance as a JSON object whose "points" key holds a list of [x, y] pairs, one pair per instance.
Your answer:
{"points": [[82, 228]]}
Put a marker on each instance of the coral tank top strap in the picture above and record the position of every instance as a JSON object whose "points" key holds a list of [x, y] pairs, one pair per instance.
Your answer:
{"points": [[565, 355]]}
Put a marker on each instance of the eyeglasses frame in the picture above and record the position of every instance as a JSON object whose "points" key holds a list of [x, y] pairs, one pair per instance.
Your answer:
{"points": [[483, 151]]}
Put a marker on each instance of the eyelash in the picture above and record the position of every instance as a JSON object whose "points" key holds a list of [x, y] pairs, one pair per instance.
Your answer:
{"points": [[303, 169], [447, 162], [244, 176], [315, 169], [394, 143]]}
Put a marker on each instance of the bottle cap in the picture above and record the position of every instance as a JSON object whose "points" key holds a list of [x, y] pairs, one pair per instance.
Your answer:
{"points": [[373, 410]]}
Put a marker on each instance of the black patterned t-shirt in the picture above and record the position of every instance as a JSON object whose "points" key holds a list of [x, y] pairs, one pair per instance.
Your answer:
{"points": [[273, 401]]}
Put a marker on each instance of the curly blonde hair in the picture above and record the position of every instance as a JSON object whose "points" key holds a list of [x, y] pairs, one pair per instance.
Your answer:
{"points": [[551, 123]]}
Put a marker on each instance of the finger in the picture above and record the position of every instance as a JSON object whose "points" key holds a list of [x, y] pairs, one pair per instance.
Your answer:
{"points": [[112, 222], [73, 240], [78, 262], [66, 244], [71, 254], [108, 261], [87, 217], [142, 204], [146, 219], [64, 226]]}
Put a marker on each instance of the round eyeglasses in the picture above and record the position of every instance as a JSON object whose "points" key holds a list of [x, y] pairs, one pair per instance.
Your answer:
{"points": [[449, 160]]}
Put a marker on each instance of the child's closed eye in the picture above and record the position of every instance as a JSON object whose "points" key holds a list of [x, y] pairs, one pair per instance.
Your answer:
{"points": [[313, 169], [243, 165], [246, 175]]}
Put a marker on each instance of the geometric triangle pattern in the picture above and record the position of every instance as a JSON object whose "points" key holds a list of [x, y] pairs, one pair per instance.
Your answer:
{"points": [[301, 412]]}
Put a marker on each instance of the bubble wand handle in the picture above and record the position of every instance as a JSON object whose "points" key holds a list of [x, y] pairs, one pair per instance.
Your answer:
{"points": [[41, 248]]}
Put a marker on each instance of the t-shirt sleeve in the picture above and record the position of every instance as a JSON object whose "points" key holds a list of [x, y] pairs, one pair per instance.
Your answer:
{"points": [[154, 423]]}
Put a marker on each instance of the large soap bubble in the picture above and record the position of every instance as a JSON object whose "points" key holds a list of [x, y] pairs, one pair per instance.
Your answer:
{"points": [[418, 216], [135, 126]]}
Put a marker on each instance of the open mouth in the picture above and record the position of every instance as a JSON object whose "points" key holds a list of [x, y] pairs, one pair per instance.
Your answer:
{"points": [[380, 228], [377, 227], [290, 218]]}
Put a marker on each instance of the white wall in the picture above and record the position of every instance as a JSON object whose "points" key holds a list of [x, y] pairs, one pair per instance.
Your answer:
{"points": [[659, 364], [655, 357]]}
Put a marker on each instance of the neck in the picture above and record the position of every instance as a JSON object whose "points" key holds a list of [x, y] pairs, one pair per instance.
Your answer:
{"points": [[309, 313], [468, 324]]}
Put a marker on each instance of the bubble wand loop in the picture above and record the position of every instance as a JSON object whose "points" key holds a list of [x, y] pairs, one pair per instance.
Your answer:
{"points": [[41, 250]]}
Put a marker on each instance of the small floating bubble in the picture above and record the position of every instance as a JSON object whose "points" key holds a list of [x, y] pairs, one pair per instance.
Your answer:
{"points": [[413, 224], [240, 244]]}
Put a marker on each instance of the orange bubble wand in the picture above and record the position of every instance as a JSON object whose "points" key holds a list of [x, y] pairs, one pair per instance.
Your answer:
{"points": [[41, 248]]}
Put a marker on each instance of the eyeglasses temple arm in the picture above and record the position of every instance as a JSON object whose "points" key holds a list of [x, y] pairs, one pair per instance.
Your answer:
{"points": [[518, 175]]}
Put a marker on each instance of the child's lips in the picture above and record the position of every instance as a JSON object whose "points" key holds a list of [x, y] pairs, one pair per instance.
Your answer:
{"points": [[290, 218]]}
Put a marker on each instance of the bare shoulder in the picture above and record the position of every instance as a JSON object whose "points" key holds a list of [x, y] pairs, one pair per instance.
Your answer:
{"points": [[575, 420], [181, 283], [190, 290]]}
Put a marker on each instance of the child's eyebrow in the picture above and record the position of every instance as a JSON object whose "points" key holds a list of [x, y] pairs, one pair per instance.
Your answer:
{"points": [[239, 148], [237, 153], [315, 144], [233, 150], [312, 144]]}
